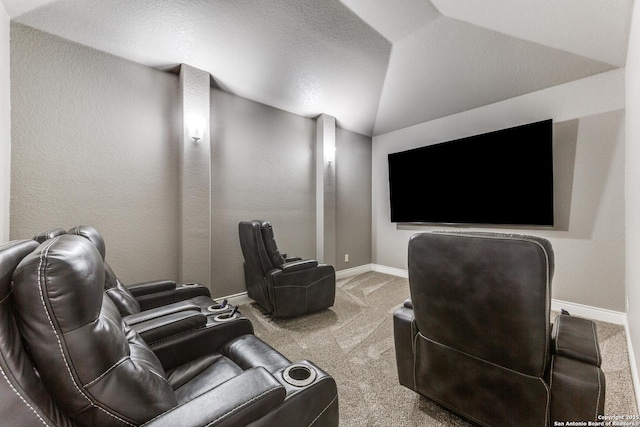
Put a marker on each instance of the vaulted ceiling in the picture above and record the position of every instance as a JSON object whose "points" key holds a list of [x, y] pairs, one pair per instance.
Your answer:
{"points": [[375, 65]]}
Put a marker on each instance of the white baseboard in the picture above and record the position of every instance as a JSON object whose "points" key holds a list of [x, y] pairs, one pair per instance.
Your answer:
{"points": [[590, 312], [391, 270], [236, 299], [342, 274]]}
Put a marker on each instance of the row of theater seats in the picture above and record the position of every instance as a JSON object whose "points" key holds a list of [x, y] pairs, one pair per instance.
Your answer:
{"points": [[78, 348]]}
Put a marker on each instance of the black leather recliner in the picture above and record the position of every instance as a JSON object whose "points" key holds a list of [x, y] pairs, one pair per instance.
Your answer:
{"points": [[285, 287], [68, 359], [476, 336]]}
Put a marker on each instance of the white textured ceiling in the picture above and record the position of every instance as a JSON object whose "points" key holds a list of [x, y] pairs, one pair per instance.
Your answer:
{"points": [[375, 65]]}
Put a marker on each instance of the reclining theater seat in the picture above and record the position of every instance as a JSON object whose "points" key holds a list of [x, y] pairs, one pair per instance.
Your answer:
{"points": [[284, 287], [476, 334], [24, 401], [147, 295], [86, 367]]}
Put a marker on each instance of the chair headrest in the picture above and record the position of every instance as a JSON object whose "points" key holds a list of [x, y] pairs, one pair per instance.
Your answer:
{"points": [[270, 245], [91, 233], [49, 234], [252, 245]]}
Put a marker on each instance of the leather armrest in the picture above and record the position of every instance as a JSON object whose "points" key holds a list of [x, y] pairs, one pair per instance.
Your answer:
{"points": [[172, 324], [237, 402], [162, 311], [578, 390], [295, 258], [404, 332], [576, 338], [180, 293], [288, 267], [192, 344], [151, 287]]}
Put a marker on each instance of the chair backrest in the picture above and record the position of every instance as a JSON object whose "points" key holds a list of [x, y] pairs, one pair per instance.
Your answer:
{"points": [[100, 369], [117, 291], [49, 234], [253, 248], [270, 245], [486, 295], [24, 401]]}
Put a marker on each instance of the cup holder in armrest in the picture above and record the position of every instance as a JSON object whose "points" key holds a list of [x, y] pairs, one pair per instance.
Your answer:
{"points": [[190, 285], [225, 317], [299, 375], [219, 308]]}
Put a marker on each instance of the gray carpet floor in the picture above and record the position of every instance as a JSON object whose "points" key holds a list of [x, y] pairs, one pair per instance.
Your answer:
{"points": [[353, 341]]}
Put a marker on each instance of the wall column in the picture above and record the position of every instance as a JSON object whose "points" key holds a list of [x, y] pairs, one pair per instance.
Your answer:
{"points": [[326, 189], [195, 178]]}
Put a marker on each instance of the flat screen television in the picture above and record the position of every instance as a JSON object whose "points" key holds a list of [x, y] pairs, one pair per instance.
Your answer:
{"points": [[502, 178]]}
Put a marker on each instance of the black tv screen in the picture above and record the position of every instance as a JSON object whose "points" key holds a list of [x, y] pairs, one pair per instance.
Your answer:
{"points": [[503, 177]]}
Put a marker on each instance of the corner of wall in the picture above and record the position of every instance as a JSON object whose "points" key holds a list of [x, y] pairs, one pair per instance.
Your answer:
{"points": [[5, 124]]}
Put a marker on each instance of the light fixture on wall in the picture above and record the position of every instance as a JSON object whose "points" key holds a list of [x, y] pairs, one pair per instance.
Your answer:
{"points": [[195, 126], [330, 154]]}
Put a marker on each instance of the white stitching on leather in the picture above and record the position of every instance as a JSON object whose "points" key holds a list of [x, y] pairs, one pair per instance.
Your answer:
{"points": [[415, 356], [323, 411], [553, 360], [599, 392], [90, 383], [595, 341], [558, 320], [477, 358], [7, 296], [547, 388], [22, 398], [43, 256], [548, 406], [303, 286]]}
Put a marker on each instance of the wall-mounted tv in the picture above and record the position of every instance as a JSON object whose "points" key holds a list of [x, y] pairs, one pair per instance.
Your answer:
{"points": [[501, 178]]}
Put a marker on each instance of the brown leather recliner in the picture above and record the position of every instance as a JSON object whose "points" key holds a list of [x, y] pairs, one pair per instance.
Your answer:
{"points": [[68, 359], [476, 335], [285, 287]]}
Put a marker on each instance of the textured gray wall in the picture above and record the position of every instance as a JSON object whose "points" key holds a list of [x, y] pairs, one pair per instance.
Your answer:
{"points": [[353, 200], [94, 141], [5, 126], [262, 167]]}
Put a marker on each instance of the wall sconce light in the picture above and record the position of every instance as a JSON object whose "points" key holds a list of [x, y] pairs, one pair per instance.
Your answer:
{"points": [[195, 127], [330, 154]]}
